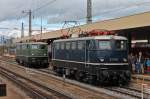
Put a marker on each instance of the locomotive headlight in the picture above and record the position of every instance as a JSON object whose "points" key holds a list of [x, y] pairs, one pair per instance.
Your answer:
{"points": [[32, 54], [101, 59], [124, 59]]}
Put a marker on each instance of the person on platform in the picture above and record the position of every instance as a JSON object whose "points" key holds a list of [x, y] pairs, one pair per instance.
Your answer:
{"points": [[131, 60], [139, 63], [148, 66], [145, 65]]}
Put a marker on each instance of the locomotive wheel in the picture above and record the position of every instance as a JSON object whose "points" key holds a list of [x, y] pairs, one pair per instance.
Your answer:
{"points": [[18, 62], [79, 75], [93, 80], [59, 71], [27, 65], [72, 74], [88, 78], [23, 63]]}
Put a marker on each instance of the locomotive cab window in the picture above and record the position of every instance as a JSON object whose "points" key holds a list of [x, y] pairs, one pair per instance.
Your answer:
{"points": [[24, 46], [121, 45], [28, 46], [34, 46], [104, 45]]}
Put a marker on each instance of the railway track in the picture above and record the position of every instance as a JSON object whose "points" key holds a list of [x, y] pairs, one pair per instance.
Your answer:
{"points": [[74, 91], [28, 89], [124, 92], [29, 86], [134, 93], [127, 90]]}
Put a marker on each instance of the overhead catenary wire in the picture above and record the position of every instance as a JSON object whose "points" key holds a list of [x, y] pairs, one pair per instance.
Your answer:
{"points": [[38, 8], [122, 8], [44, 5], [125, 7], [105, 12]]}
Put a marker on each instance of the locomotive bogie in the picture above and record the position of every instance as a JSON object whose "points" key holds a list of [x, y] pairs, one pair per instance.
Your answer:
{"points": [[98, 76]]}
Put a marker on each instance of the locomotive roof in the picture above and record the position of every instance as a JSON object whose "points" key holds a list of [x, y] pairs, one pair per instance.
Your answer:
{"points": [[33, 43], [103, 37]]}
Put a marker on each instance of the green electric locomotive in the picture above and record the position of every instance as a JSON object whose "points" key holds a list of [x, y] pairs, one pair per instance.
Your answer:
{"points": [[32, 54]]}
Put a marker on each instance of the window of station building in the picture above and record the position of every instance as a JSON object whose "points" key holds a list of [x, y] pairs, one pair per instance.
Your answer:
{"points": [[73, 45], [62, 45], [68, 45], [80, 45]]}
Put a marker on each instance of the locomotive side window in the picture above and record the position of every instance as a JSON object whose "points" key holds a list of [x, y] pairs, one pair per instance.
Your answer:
{"points": [[68, 45], [57, 46], [80, 45], [62, 45], [104, 45], [121, 45], [73, 45], [20, 46]]}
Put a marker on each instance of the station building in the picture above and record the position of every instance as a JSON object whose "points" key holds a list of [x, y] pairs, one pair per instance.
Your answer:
{"points": [[135, 27]]}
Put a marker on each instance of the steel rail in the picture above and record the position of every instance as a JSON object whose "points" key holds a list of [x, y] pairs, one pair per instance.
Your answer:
{"points": [[33, 93], [115, 90], [16, 78]]}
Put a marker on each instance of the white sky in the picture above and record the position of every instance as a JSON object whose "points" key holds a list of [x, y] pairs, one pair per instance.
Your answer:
{"points": [[57, 11]]}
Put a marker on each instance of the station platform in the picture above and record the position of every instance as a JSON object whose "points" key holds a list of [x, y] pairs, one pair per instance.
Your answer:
{"points": [[141, 76], [8, 55]]}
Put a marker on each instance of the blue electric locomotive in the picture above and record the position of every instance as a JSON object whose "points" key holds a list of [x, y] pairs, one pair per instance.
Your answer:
{"points": [[97, 59]]}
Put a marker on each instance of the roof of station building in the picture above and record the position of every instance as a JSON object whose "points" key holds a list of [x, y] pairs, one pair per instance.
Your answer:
{"points": [[127, 22]]}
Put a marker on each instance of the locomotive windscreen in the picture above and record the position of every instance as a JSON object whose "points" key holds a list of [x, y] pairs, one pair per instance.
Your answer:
{"points": [[104, 45], [37, 46]]}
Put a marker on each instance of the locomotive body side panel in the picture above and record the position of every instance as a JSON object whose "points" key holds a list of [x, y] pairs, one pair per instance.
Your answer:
{"points": [[94, 58]]}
